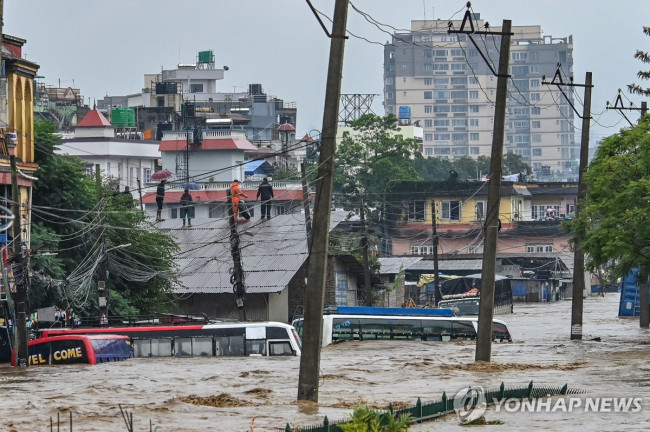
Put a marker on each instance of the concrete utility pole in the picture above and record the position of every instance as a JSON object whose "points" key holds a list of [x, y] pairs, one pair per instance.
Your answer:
{"points": [[239, 289], [20, 272], [317, 268], [578, 254], [367, 284], [435, 240], [488, 272]]}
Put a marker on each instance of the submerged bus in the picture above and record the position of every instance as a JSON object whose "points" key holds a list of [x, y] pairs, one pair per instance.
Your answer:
{"points": [[223, 339], [369, 324], [76, 348]]}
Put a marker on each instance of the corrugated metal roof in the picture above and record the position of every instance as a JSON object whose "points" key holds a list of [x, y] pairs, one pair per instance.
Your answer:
{"points": [[272, 251], [449, 265], [394, 264]]}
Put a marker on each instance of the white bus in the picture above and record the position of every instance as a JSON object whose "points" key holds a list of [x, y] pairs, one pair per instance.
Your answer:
{"points": [[339, 327]]}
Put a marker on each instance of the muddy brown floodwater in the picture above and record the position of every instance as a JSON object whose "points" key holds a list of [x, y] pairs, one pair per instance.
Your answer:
{"points": [[225, 394]]}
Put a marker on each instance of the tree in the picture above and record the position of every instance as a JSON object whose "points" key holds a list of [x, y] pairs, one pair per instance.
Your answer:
{"points": [[69, 221], [286, 173], [645, 75], [613, 224], [513, 164]]}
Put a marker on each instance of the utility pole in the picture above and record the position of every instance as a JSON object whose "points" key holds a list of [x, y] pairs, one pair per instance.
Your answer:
{"points": [[367, 283], [488, 272], [20, 271], [317, 268], [237, 278], [619, 106], [140, 193], [437, 295], [102, 274], [305, 204], [578, 254]]}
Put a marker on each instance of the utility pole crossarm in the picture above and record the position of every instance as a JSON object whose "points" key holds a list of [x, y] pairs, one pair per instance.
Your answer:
{"points": [[560, 83]]}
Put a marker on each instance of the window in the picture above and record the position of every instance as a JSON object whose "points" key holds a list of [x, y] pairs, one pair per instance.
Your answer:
{"points": [[341, 288], [519, 55], [539, 248], [534, 96], [456, 53], [458, 137], [133, 175], [535, 110], [428, 123], [536, 138], [428, 137], [390, 81], [459, 122], [428, 151], [119, 170], [537, 152], [441, 108], [473, 94], [480, 207], [428, 54], [440, 66], [389, 95], [534, 68], [428, 67], [473, 136], [147, 175], [473, 122], [458, 66], [450, 210], [442, 137], [441, 122], [441, 81], [535, 124], [196, 88], [473, 108], [428, 109], [473, 80], [459, 80], [473, 150], [428, 81], [404, 66], [441, 53], [441, 95], [428, 95], [535, 82], [519, 70]]}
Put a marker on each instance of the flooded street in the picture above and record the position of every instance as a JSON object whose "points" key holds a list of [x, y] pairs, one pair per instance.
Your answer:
{"points": [[167, 391]]}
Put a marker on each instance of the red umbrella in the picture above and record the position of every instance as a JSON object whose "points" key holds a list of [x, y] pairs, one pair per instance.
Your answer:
{"points": [[161, 175]]}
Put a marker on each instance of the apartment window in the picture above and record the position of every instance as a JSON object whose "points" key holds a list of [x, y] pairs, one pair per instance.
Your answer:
{"points": [[473, 108], [428, 109], [539, 248], [534, 96], [519, 55], [442, 137], [441, 81], [459, 80], [389, 95], [537, 152], [458, 66], [428, 123], [428, 151], [450, 210], [520, 124], [473, 150], [441, 53], [520, 70], [535, 124], [416, 210], [535, 82], [390, 80], [147, 175], [441, 108], [428, 81], [533, 55], [459, 123], [473, 136], [535, 110], [428, 54], [133, 175], [441, 66], [428, 95], [404, 66], [456, 53], [196, 88], [459, 108], [473, 122], [441, 122], [473, 94], [458, 137], [428, 137], [441, 95], [119, 171], [536, 138], [473, 80], [534, 68], [428, 67]]}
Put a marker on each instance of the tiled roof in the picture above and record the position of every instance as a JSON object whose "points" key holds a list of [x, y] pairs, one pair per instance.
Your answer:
{"points": [[221, 195], [208, 144]]}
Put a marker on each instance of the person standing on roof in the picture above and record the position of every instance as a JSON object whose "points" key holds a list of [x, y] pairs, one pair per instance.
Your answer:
{"points": [[265, 191], [160, 197], [236, 193], [186, 207]]}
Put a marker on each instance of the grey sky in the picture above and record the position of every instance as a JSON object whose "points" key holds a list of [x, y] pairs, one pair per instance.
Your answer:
{"points": [[107, 46]]}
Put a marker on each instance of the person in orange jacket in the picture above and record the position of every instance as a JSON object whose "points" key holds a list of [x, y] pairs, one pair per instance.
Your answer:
{"points": [[236, 193]]}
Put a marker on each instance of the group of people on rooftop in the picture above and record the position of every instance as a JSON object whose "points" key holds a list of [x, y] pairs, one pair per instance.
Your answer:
{"points": [[264, 191]]}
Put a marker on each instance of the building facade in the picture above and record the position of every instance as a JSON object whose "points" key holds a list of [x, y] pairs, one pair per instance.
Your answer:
{"points": [[447, 86]]}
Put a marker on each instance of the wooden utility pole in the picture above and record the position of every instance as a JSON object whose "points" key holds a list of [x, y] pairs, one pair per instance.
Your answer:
{"points": [[140, 194], [238, 287], [20, 271], [578, 254], [305, 203], [488, 272], [367, 283], [434, 238], [317, 268]]}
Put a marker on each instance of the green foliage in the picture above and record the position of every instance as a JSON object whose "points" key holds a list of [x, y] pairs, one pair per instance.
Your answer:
{"points": [[438, 169], [288, 173], [644, 56], [613, 225], [69, 221], [365, 419]]}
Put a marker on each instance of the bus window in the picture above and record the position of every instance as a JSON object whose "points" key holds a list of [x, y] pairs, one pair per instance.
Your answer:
{"points": [[183, 347], [463, 330], [406, 329], [256, 347], [236, 346], [202, 346], [436, 330], [161, 347], [280, 349], [374, 328], [500, 332], [345, 329]]}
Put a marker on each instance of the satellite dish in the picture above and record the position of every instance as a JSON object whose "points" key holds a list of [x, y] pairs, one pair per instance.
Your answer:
{"points": [[226, 68]]}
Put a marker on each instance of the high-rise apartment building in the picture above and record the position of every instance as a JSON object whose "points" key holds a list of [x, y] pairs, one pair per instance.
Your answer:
{"points": [[450, 90]]}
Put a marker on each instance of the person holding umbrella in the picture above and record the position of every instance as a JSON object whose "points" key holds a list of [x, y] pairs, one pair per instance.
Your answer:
{"points": [[160, 197], [186, 207]]}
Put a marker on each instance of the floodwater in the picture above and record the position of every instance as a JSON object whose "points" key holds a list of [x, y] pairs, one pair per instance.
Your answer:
{"points": [[226, 394]]}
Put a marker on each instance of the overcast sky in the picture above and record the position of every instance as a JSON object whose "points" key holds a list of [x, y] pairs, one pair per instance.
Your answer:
{"points": [[105, 47]]}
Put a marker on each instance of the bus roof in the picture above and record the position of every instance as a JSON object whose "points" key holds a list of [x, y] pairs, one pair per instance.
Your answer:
{"points": [[390, 311]]}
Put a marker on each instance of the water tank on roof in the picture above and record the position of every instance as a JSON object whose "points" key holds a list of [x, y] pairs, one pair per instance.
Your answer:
{"points": [[405, 112], [123, 117], [206, 56], [255, 89], [162, 127]]}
